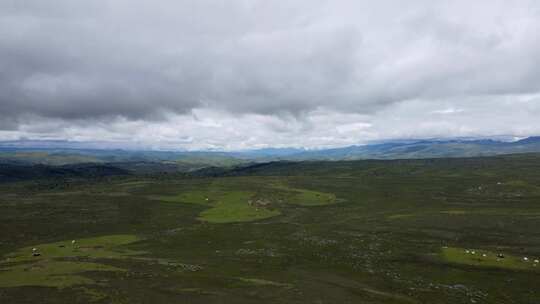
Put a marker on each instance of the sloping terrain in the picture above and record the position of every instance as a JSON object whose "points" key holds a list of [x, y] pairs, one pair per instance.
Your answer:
{"points": [[19, 172], [184, 161], [455, 230]]}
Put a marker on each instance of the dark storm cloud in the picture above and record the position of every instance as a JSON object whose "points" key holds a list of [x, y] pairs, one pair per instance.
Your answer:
{"points": [[142, 60], [132, 60]]}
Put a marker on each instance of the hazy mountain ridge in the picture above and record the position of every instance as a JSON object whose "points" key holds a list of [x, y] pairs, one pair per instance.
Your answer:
{"points": [[425, 149], [11, 152]]}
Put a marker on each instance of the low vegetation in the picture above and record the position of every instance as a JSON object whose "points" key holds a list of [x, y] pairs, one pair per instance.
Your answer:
{"points": [[400, 231], [227, 206], [62, 264], [490, 259]]}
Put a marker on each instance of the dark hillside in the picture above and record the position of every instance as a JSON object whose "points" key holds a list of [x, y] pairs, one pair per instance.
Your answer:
{"points": [[13, 172]]}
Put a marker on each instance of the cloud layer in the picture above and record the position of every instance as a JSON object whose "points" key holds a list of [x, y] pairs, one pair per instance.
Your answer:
{"points": [[267, 72]]}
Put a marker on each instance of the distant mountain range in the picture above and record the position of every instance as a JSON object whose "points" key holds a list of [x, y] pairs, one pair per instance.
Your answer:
{"points": [[63, 153], [424, 149]]}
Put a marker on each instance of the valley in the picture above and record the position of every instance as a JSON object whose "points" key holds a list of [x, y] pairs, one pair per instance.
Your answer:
{"points": [[398, 231]]}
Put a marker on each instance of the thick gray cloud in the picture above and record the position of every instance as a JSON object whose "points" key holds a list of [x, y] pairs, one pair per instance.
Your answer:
{"points": [[69, 69]]}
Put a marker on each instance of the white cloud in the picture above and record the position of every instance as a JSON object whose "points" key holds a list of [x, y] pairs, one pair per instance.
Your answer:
{"points": [[448, 111], [206, 128], [244, 74]]}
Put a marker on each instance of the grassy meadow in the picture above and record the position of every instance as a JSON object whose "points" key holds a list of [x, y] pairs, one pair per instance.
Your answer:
{"points": [[405, 231]]}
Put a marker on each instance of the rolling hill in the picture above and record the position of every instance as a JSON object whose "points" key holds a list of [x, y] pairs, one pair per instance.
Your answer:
{"points": [[184, 161]]}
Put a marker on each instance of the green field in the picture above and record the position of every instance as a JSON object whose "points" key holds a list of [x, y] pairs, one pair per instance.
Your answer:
{"points": [[60, 264], [399, 231], [485, 258], [228, 205]]}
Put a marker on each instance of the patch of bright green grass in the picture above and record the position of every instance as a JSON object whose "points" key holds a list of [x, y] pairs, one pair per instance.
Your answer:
{"points": [[400, 216], [234, 207], [304, 197], [190, 197], [226, 206], [454, 212], [108, 246], [261, 282], [484, 258], [51, 268], [50, 274], [516, 183]]}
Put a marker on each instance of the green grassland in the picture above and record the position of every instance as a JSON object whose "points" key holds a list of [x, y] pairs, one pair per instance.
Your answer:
{"points": [[311, 198], [58, 274], [486, 258], [189, 197], [97, 247], [285, 232], [60, 264], [232, 205]]}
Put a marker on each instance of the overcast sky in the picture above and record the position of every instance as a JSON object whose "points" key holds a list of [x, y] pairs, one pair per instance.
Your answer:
{"points": [[250, 74]]}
